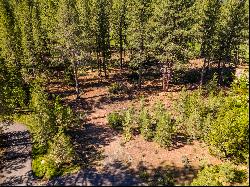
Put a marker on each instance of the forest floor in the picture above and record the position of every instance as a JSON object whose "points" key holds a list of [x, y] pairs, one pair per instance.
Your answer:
{"points": [[104, 157], [137, 162]]}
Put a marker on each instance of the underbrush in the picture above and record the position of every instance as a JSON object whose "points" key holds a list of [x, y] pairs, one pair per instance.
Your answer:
{"points": [[221, 175], [118, 88], [155, 126], [218, 118], [48, 122]]}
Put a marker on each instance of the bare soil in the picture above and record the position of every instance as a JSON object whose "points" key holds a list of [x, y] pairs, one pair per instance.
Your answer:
{"points": [[138, 155]]}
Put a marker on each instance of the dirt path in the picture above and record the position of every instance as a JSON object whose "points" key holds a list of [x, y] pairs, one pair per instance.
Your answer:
{"points": [[16, 167]]}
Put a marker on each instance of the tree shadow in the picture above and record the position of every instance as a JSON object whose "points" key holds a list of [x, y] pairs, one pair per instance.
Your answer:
{"points": [[113, 174], [88, 141], [167, 175], [118, 173], [193, 76], [16, 160], [179, 141]]}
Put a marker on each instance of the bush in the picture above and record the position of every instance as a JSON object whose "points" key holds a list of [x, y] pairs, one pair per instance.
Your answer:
{"points": [[60, 153], [196, 112], [117, 88], [164, 126], [61, 150], [164, 130], [229, 132], [128, 126], [219, 175], [116, 120], [44, 167], [145, 124]]}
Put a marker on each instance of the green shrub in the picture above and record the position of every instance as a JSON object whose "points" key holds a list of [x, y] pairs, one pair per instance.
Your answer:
{"points": [[52, 149], [116, 120], [61, 150], [196, 112], [219, 175], [117, 88], [128, 126], [44, 167], [164, 126], [38, 166], [60, 153], [229, 133], [145, 124]]}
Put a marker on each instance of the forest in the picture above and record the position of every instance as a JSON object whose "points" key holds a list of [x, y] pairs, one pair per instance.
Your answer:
{"points": [[124, 92]]}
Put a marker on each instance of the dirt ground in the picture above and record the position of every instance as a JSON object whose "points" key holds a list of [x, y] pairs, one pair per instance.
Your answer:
{"points": [[184, 160]]}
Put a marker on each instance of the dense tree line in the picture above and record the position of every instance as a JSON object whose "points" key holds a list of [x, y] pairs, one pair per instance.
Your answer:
{"points": [[38, 36]]}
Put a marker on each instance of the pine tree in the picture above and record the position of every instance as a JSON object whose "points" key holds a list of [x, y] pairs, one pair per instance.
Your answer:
{"points": [[139, 13], [11, 82], [171, 31], [119, 26], [209, 27], [103, 33], [231, 28], [68, 36]]}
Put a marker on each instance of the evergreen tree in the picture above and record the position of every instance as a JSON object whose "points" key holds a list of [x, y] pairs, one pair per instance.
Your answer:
{"points": [[68, 36], [139, 13], [103, 33], [171, 31], [212, 11], [119, 26], [230, 33]]}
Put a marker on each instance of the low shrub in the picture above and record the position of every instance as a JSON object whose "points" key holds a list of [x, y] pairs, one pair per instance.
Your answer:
{"points": [[116, 120], [44, 167], [145, 124], [164, 130], [196, 112], [219, 175], [229, 132], [128, 127], [60, 153], [117, 88], [165, 126]]}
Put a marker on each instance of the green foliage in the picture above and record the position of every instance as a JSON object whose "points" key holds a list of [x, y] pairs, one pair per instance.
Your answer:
{"points": [[229, 132], [117, 88], [145, 124], [43, 167], [164, 126], [58, 155], [196, 111], [116, 120], [61, 150], [48, 123], [221, 120], [128, 126], [219, 175]]}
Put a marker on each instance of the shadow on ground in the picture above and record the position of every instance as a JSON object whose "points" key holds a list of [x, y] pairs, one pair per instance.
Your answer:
{"points": [[16, 159], [118, 173]]}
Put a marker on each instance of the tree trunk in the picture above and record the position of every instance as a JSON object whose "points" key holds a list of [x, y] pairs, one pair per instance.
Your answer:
{"points": [[203, 72], [219, 71], [99, 64], [104, 65], [76, 79], [121, 44], [164, 78], [121, 59], [140, 77], [169, 75]]}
